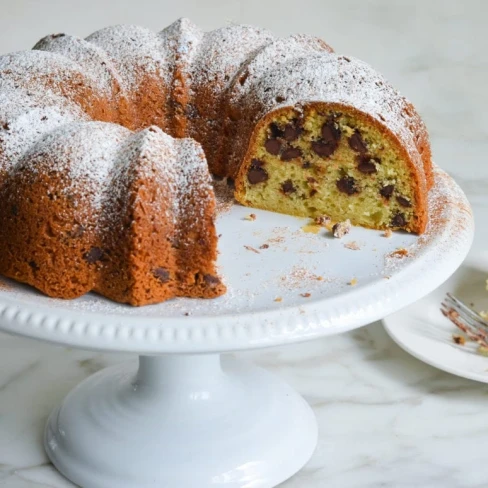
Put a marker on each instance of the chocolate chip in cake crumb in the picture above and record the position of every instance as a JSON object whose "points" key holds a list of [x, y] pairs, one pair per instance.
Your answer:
{"points": [[340, 229], [273, 146], [404, 202], [313, 192], [14, 210], [387, 191], [275, 131], [6, 126], [356, 142], [162, 274], [347, 184], [324, 149], [33, 265], [287, 187], [367, 165], [291, 153], [330, 132], [211, 280], [93, 255], [398, 220], [292, 131], [307, 165], [257, 174]]}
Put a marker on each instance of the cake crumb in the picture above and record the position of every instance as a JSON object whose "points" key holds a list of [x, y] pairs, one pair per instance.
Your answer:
{"points": [[322, 220], [353, 245], [250, 248], [387, 277], [459, 339], [320, 278], [388, 233], [305, 295], [278, 299], [264, 246], [399, 253], [250, 217], [353, 282], [311, 228], [483, 350], [341, 229]]}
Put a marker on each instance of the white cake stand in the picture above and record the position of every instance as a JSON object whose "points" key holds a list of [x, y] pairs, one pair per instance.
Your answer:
{"points": [[185, 417]]}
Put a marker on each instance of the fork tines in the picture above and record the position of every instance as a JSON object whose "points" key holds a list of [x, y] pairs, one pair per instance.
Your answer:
{"points": [[466, 319]]}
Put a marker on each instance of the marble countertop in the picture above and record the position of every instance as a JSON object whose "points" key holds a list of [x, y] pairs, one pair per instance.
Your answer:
{"points": [[385, 418]]}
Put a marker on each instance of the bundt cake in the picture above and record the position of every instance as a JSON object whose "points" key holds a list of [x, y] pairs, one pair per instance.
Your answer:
{"points": [[107, 144]]}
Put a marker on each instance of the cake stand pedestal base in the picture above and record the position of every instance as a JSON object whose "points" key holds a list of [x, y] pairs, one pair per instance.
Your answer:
{"points": [[181, 421]]}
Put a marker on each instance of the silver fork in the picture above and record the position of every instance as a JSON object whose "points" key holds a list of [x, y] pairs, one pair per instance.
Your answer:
{"points": [[466, 319]]}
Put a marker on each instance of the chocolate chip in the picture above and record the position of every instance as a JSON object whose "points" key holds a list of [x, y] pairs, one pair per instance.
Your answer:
{"points": [[347, 184], [404, 202], [366, 165], [330, 132], [44, 118], [33, 265], [5, 126], [93, 255], [280, 99], [55, 36], [275, 131], [273, 146], [398, 220], [14, 210], [323, 148], [211, 280], [356, 142], [287, 187], [306, 165], [387, 191], [256, 173], [313, 192], [291, 153], [162, 274], [292, 132]]}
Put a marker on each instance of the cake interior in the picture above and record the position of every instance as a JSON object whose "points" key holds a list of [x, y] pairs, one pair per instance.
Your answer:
{"points": [[329, 162]]}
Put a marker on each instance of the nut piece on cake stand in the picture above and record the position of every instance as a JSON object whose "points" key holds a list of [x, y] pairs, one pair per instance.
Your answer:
{"points": [[185, 416]]}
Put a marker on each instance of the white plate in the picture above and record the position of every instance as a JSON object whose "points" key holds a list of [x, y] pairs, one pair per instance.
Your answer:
{"points": [[426, 334], [249, 315]]}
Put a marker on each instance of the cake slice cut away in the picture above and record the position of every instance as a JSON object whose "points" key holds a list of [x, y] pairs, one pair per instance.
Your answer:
{"points": [[310, 158]]}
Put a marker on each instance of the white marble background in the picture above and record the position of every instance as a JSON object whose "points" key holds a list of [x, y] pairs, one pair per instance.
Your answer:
{"points": [[385, 419]]}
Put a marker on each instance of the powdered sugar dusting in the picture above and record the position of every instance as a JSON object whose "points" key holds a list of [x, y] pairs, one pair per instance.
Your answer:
{"points": [[276, 53], [25, 119], [135, 51], [333, 78], [91, 57]]}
